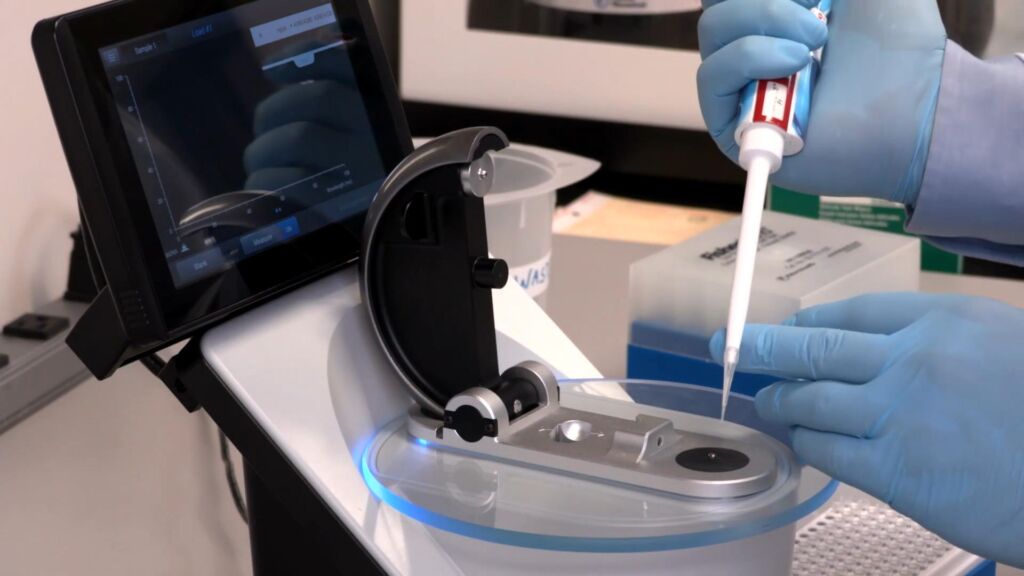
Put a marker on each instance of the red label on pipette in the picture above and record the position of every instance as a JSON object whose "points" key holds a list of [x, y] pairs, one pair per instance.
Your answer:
{"points": [[774, 102]]}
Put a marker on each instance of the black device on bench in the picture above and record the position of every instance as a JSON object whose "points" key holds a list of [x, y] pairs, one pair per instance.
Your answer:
{"points": [[223, 151]]}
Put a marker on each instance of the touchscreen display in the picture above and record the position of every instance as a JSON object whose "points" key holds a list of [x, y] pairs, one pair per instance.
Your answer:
{"points": [[247, 129]]}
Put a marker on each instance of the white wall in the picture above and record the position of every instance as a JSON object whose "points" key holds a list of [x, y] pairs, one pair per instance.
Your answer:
{"points": [[116, 479], [37, 200], [1009, 31]]}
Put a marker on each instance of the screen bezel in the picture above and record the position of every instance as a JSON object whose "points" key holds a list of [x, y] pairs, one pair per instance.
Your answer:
{"points": [[184, 308]]}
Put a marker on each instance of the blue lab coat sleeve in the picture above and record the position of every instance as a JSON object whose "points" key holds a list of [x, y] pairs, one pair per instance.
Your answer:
{"points": [[972, 196]]}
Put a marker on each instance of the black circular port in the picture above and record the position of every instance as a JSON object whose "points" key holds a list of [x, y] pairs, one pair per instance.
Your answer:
{"points": [[714, 460], [416, 218]]}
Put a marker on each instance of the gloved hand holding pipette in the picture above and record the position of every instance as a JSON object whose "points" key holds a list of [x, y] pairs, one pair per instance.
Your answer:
{"points": [[912, 398], [862, 132], [772, 123], [873, 107]]}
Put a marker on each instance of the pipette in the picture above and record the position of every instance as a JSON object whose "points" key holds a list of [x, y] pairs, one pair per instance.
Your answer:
{"points": [[758, 171], [774, 115]]}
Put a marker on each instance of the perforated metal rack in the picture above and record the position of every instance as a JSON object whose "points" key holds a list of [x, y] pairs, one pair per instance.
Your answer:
{"points": [[858, 536]]}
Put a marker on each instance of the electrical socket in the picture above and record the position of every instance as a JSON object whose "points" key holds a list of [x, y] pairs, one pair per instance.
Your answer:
{"points": [[37, 327], [39, 370]]}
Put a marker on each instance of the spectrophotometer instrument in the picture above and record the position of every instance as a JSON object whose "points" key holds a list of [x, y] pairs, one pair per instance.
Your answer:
{"points": [[427, 223]]}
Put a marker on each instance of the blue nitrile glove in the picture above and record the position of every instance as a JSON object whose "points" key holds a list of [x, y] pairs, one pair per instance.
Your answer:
{"points": [[874, 106], [916, 399]]}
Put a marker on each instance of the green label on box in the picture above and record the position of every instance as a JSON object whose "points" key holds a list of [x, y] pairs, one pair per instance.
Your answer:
{"points": [[863, 213]]}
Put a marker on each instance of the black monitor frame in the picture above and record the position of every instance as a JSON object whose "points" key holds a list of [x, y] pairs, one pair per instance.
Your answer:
{"points": [[140, 309]]}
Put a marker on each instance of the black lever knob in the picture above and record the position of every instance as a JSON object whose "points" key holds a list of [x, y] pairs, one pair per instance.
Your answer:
{"points": [[470, 425], [490, 273]]}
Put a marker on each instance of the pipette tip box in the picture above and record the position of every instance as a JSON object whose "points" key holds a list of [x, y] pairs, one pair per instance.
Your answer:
{"points": [[679, 297]]}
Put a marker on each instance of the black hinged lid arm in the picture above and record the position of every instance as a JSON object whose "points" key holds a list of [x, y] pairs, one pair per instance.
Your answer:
{"points": [[426, 272]]}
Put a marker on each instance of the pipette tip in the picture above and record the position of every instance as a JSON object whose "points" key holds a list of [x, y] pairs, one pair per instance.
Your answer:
{"points": [[732, 358]]}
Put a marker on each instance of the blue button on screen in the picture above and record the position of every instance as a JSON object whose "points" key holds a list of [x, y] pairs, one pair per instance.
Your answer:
{"points": [[269, 236], [289, 228]]}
